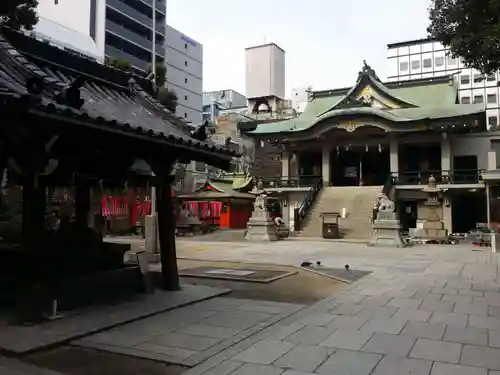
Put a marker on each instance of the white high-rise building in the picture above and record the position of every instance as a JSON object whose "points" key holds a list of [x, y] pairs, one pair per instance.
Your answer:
{"points": [[426, 58], [264, 78], [76, 25], [184, 61]]}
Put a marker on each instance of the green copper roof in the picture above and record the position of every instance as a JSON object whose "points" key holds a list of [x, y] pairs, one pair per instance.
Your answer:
{"points": [[434, 98]]}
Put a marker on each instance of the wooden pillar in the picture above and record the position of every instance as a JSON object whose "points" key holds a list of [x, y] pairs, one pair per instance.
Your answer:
{"points": [[82, 201], [166, 233], [34, 200]]}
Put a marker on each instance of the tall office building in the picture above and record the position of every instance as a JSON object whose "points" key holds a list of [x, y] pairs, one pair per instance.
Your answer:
{"points": [[216, 101], [425, 58], [184, 61], [76, 25], [129, 31]]}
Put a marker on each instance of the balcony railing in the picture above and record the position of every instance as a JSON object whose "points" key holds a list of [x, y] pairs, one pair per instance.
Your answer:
{"points": [[289, 182], [132, 13], [136, 62], [135, 38], [456, 176]]}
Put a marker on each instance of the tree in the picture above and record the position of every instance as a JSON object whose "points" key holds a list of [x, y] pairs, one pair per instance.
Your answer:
{"points": [[168, 98], [18, 14], [470, 28], [161, 73], [118, 63]]}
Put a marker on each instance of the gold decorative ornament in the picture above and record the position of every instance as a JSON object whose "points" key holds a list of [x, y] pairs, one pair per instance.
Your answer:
{"points": [[349, 126]]}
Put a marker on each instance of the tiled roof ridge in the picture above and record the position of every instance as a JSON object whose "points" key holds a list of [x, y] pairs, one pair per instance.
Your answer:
{"points": [[12, 57], [154, 104]]}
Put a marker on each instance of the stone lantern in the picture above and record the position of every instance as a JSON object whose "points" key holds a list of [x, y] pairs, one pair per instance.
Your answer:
{"points": [[432, 192]]}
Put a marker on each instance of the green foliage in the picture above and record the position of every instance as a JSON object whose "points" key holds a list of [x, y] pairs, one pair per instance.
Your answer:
{"points": [[168, 98], [118, 63], [161, 73], [470, 28], [18, 14]]}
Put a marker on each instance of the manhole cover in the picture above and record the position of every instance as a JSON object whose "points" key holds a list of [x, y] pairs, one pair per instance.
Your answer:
{"points": [[255, 275]]}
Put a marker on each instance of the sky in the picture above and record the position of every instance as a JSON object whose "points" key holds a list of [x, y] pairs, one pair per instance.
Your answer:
{"points": [[325, 41]]}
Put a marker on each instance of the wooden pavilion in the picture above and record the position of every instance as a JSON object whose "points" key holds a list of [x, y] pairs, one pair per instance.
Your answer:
{"points": [[66, 120], [221, 203]]}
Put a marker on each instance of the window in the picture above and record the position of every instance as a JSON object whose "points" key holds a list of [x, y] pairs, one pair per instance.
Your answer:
{"points": [[478, 78], [492, 98], [427, 63], [465, 79], [185, 80], [199, 166], [185, 46], [493, 120], [403, 66], [439, 61], [185, 115], [466, 100], [491, 77], [478, 99], [415, 64], [185, 63], [185, 97], [452, 61]]}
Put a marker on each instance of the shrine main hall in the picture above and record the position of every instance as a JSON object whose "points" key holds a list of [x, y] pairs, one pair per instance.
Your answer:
{"points": [[384, 137]]}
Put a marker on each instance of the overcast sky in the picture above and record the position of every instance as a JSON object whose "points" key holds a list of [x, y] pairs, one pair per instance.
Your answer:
{"points": [[325, 40]]}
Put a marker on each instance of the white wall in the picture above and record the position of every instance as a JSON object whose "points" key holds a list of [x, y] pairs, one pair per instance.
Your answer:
{"points": [[473, 144], [74, 14], [184, 61], [69, 22], [265, 71]]}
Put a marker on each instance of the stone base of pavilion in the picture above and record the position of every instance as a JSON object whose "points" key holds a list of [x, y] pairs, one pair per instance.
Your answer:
{"points": [[17, 340]]}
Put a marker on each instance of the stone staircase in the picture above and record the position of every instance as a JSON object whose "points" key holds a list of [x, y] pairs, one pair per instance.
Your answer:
{"points": [[358, 200]]}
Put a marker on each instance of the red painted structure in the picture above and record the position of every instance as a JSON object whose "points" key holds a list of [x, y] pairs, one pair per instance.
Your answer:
{"points": [[218, 204]]}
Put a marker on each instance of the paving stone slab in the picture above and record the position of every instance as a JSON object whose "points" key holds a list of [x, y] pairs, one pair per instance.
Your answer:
{"points": [[471, 308], [304, 358], [424, 330], [486, 322], [455, 319], [468, 335], [353, 322], [249, 275], [481, 356], [432, 305], [347, 339], [408, 303], [208, 331], [494, 338], [384, 325], [391, 365], [349, 362], [447, 369], [309, 335], [412, 315], [264, 352], [224, 368], [384, 343], [256, 369], [433, 350]]}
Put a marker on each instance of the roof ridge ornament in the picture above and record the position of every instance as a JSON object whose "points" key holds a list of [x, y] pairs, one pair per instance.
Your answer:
{"points": [[367, 70], [71, 95]]}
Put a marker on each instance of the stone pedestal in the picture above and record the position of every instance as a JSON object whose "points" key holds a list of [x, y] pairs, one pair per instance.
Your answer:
{"points": [[260, 226], [152, 247], [386, 231]]}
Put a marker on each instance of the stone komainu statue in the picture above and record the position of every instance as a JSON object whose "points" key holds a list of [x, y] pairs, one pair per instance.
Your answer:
{"points": [[385, 206]]}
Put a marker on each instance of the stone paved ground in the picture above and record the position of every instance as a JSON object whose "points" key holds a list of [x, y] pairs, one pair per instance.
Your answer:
{"points": [[428, 310], [191, 334], [425, 310]]}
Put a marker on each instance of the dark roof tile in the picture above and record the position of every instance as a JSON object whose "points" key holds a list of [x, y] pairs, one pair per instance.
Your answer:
{"points": [[127, 107]]}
